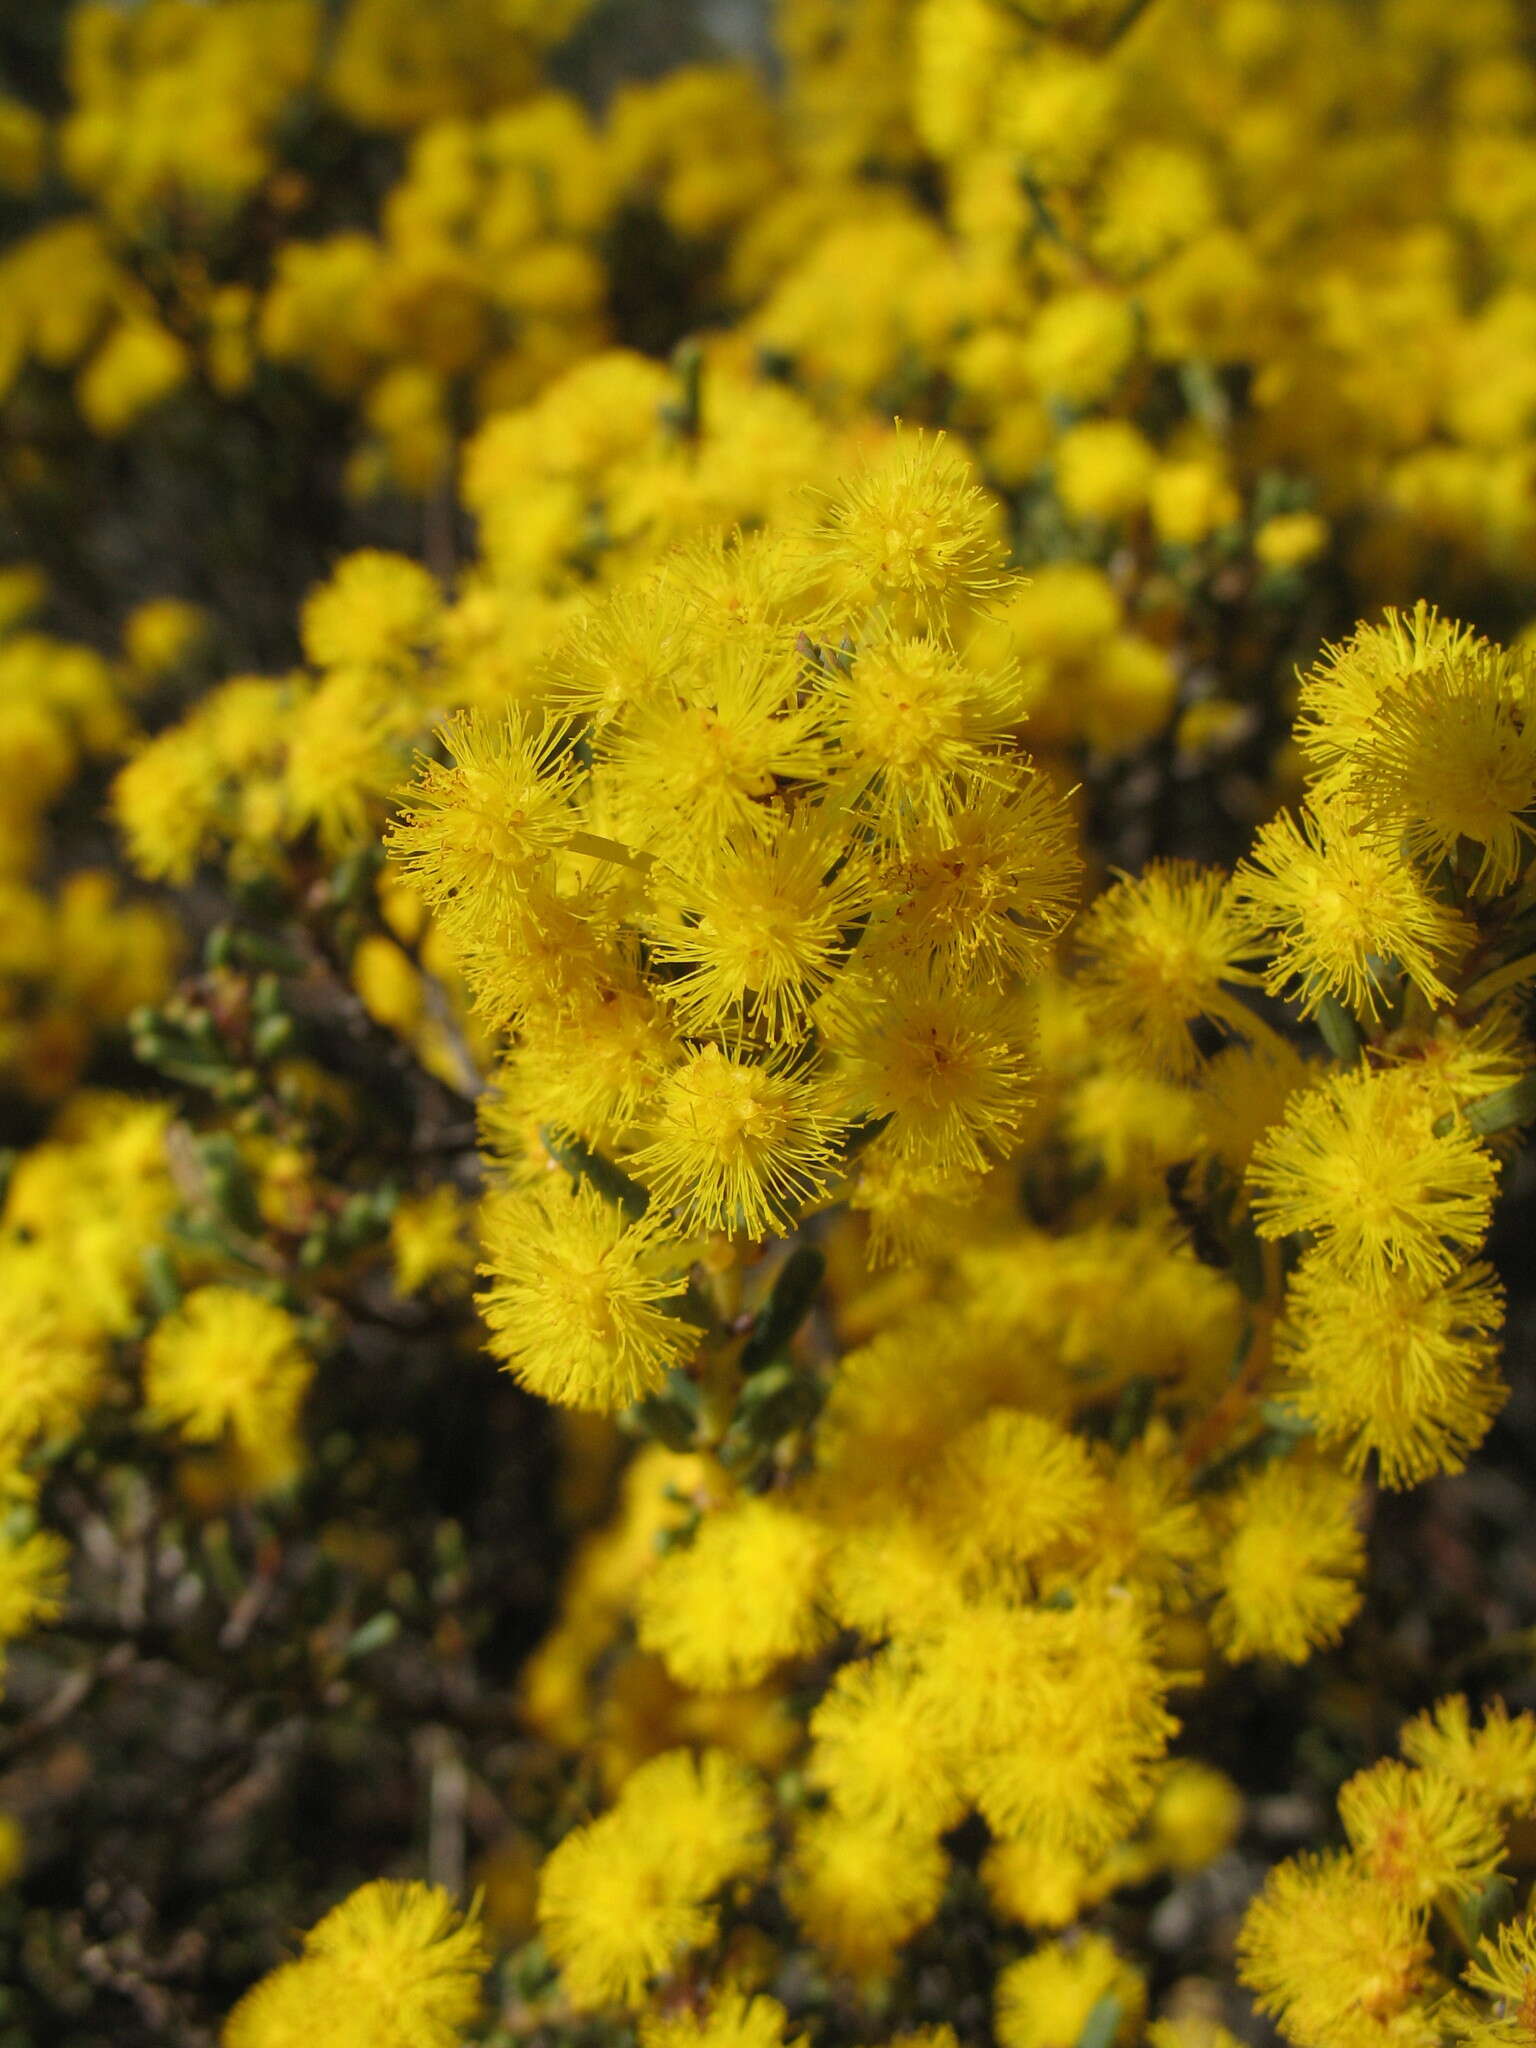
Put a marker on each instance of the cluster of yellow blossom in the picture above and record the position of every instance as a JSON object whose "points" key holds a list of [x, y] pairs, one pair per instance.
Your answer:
{"points": [[79, 1213], [1341, 1947], [393, 1966], [757, 901], [74, 957], [661, 901]]}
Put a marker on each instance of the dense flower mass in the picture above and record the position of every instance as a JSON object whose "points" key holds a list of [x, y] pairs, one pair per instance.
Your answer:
{"points": [[767, 915]]}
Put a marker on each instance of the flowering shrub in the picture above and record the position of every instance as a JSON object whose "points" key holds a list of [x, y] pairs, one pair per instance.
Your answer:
{"points": [[842, 765]]}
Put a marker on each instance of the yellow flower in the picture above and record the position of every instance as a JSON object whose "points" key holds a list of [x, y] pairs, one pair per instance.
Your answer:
{"points": [[1505, 1971], [879, 1750], [1494, 1764], [913, 724], [860, 1889], [1361, 1165], [376, 611], [737, 1146], [622, 1899], [1341, 694], [577, 1295], [732, 2021], [1419, 1834], [1081, 341], [393, 1965], [33, 1579], [913, 531], [1290, 1564], [1287, 540], [229, 1363], [696, 762], [985, 890], [949, 1069], [1337, 1960], [474, 832], [1403, 1368], [1164, 949], [1450, 754], [1103, 469], [758, 926], [1046, 2000], [690, 1610]]}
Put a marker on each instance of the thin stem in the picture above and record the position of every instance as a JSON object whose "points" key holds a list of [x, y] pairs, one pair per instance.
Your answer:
{"points": [[596, 847]]}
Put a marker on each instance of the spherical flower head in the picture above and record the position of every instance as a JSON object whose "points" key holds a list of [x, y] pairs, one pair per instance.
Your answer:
{"points": [[1010, 1488], [1288, 540], [1046, 1999], [1057, 108], [911, 720], [1103, 469], [732, 2021], [757, 926], [1198, 1815], [624, 1898], [914, 532], [736, 1145], [407, 1946], [165, 801], [577, 1294], [698, 762], [54, 1366], [33, 1578], [475, 832], [879, 1750], [1494, 1764], [590, 1064], [859, 1889], [1290, 1564], [1070, 1752], [1334, 1957], [1450, 754], [1360, 1165], [1164, 949], [394, 1965], [1156, 197], [1405, 1369], [1504, 1970], [139, 364], [986, 889], [1342, 694], [378, 611], [1037, 1884], [914, 1211], [343, 754], [1418, 1834], [949, 1069], [625, 650], [160, 634], [690, 1609], [1080, 343], [228, 1363]]}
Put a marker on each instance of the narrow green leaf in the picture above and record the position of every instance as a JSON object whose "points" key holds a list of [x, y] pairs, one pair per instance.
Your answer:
{"points": [[794, 1290], [1505, 1108], [1102, 2024], [1341, 1034]]}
